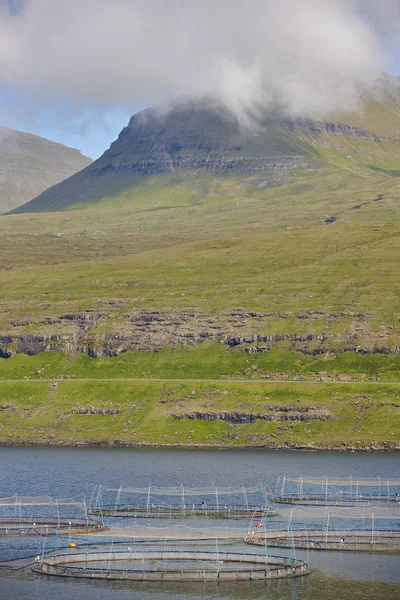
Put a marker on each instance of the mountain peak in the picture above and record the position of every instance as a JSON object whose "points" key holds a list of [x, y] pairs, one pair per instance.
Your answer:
{"points": [[194, 136]]}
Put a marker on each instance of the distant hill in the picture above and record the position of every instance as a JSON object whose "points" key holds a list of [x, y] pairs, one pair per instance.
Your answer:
{"points": [[30, 164], [201, 137]]}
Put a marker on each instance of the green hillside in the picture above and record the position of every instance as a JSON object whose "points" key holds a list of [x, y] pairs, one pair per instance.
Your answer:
{"points": [[155, 413], [246, 275]]}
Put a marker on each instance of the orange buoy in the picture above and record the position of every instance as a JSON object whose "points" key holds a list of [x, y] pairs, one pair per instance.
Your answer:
{"points": [[259, 524], [71, 545]]}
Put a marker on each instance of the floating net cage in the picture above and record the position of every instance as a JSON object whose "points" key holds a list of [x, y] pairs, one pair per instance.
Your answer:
{"points": [[44, 515], [169, 562], [348, 491], [182, 502], [369, 520], [349, 540], [346, 528]]}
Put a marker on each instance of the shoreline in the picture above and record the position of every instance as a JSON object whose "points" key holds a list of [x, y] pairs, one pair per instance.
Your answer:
{"points": [[386, 449]]}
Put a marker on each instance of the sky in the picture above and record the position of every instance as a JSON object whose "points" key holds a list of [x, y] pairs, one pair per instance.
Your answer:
{"points": [[76, 71]]}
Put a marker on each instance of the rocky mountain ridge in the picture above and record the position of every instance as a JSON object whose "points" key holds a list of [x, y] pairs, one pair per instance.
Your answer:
{"points": [[200, 136], [194, 137]]}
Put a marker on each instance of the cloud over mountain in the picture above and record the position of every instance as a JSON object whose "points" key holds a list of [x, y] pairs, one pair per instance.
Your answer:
{"points": [[309, 56]]}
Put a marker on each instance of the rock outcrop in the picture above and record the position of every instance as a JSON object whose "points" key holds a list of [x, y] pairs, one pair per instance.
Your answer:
{"points": [[293, 414], [90, 332]]}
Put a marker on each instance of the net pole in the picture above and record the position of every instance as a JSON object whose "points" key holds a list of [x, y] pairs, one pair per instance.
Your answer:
{"points": [[86, 513], [183, 498], [373, 529], [283, 486], [217, 553], [277, 486], [163, 561], [57, 539], [118, 497], [326, 526], [20, 514], [98, 500], [101, 505], [66, 549], [290, 521], [293, 548], [264, 495], [308, 547], [148, 498], [58, 514], [245, 498], [112, 548], [92, 496], [39, 546], [87, 548], [16, 511]]}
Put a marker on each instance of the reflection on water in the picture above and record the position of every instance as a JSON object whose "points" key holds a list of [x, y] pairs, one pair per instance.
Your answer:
{"points": [[315, 587]]}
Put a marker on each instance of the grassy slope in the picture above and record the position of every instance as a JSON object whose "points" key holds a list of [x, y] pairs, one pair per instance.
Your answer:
{"points": [[35, 412], [211, 243], [349, 268], [208, 361]]}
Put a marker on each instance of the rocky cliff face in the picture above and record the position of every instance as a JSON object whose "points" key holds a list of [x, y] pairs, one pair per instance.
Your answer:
{"points": [[202, 136], [193, 137]]}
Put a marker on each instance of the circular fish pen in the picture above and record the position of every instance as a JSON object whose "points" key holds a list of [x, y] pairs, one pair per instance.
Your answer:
{"points": [[171, 565], [181, 502], [344, 541], [9, 527], [329, 491], [43, 515]]}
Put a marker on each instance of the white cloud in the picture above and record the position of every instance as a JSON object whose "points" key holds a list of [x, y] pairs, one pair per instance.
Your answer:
{"points": [[311, 56]]}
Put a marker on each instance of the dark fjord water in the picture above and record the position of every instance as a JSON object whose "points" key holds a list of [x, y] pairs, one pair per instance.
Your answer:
{"points": [[69, 472]]}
